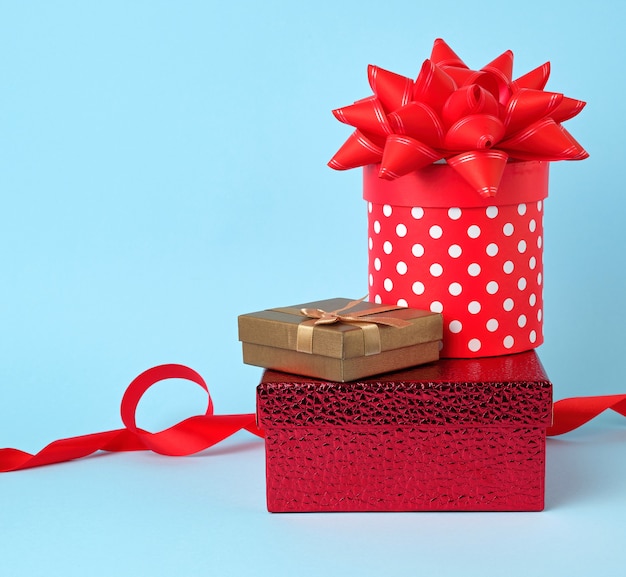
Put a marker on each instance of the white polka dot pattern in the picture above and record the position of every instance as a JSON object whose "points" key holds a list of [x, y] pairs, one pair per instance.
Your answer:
{"points": [[480, 267]]}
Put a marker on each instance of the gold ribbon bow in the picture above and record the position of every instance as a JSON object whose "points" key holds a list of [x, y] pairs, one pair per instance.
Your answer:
{"points": [[368, 319]]}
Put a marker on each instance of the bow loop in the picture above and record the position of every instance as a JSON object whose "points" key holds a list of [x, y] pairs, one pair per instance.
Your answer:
{"points": [[453, 112], [367, 319]]}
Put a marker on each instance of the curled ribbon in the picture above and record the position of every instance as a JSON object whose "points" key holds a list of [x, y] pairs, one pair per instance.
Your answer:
{"points": [[475, 120], [368, 320], [190, 436]]}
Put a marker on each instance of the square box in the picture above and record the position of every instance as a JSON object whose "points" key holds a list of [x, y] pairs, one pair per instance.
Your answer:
{"points": [[286, 340], [456, 435]]}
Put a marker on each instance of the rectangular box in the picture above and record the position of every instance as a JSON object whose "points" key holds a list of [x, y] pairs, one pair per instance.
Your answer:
{"points": [[342, 351], [457, 435]]}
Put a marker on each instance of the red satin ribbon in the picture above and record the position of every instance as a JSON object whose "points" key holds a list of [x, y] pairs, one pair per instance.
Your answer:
{"points": [[569, 414], [203, 431], [185, 438]]}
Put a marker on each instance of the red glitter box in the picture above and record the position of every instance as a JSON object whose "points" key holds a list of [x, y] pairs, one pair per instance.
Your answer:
{"points": [[456, 435]]}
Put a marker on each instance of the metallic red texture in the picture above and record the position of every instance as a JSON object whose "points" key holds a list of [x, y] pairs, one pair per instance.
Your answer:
{"points": [[457, 435]]}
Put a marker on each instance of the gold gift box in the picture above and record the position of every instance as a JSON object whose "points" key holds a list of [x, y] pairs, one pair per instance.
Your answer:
{"points": [[344, 340]]}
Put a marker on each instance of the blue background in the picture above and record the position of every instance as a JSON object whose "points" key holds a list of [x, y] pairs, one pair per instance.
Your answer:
{"points": [[162, 170]]}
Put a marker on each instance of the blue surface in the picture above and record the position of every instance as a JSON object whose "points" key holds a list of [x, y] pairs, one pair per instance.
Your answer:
{"points": [[163, 169]]}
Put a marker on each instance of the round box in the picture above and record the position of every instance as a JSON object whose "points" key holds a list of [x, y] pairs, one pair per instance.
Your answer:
{"points": [[436, 244]]}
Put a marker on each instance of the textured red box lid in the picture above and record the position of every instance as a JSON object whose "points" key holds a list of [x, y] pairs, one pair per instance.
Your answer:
{"points": [[459, 434]]}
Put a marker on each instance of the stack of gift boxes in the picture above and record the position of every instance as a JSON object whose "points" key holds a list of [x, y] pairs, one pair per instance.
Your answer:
{"points": [[428, 396]]}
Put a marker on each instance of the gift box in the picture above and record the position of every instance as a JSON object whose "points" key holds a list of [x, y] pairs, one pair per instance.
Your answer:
{"points": [[455, 176], [340, 340], [457, 435], [435, 244]]}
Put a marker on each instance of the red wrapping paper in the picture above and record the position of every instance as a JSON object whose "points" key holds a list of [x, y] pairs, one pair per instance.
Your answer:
{"points": [[458, 435]]}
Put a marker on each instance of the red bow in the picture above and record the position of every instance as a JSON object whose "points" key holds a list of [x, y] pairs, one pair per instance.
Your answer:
{"points": [[474, 119]]}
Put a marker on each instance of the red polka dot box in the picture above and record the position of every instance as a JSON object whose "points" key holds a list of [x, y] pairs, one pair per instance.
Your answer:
{"points": [[455, 177], [476, 260]]}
